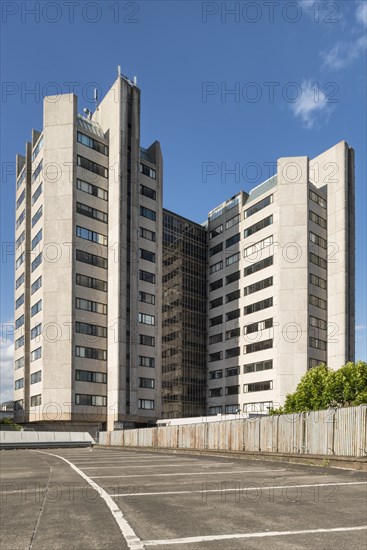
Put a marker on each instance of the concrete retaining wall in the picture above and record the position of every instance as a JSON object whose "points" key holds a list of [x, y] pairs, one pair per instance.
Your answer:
{"points": [[28, 440]]}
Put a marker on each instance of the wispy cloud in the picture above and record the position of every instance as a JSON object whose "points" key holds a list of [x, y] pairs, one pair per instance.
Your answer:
{"points": [[310, 105], [361, 13], [343, 54], [361, 327]]}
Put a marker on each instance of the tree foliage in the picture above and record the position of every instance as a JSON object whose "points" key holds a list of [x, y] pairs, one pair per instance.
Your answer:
{"points": [[321, 388]]}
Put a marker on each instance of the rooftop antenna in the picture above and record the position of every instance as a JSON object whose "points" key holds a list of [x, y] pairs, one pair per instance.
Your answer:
{"points": [[95, 95], [135, 81], [118, 70]]}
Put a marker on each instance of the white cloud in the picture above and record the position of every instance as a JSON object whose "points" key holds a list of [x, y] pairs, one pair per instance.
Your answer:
{"points": [[361, 327], [310, 104], [6, 370], [344, 53], [361, 13]]}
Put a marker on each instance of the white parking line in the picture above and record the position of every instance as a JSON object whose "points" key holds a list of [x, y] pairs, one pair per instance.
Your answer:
{"points": [[132, 540], [100, 466], [209, 538], [230, 472], [271, 487]]}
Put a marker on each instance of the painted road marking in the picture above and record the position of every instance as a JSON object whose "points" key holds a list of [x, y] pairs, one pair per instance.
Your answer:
{"points": [[132, 540], [230, 472], [209, 538]]}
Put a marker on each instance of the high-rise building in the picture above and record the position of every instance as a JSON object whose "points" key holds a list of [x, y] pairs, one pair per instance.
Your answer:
{"points": [[184, 317], [88, 266], [281, 282], [125, 312]]}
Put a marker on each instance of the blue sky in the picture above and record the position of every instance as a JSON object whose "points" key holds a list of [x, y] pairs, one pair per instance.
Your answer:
{"points": [[296, 70]]}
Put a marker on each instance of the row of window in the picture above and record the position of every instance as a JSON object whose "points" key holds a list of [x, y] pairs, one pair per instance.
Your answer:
{"points": [[89, 235], [91, 166], [92, 143], [262, 264], [144, 169], [247, 388], [231, 203], [37, 149], [235, 352], [90, 212]]}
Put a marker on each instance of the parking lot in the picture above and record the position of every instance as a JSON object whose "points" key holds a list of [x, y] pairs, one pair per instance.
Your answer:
{"points": [[109, 499]]}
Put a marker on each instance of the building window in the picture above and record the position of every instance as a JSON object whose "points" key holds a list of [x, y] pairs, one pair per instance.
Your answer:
{"points": [[20, 281], [232, 371], [255, 248], [36, 262], [19, 343], [318, 220], [148, 192], [91, 259], [21, 178], [147, 213], [37, 148], [217, 231], [317, 323], [258, 306], [233, 352], [146, 383], [233, 314], [36, 285], [37, 171], [317, 199], [233, 221], [146, 276], [233, 259], [20, 301], [232, 409], [215, 410], [90, 330], [36, 308], [146, 319], [233, 240], [36, 331], [235, 295], [20, 260], [144, 169], [215, 374], [232, 390], [37, 216], [258, 386], [317, 260], [233, 277], [92, 143], [216, 303], [313, 363], [147, 234], [19, 322], [147, 404], [89, 305], [216, 284], [145, 340], [260, 325], [214, 321], [258, 367], [146, 298], [19, 363], [258, 226], [217, 356], [87, 164], [216, 267], [91, 189], [215, 249], [258, 346], [318, 302], [37, 194], [20, 220], [89, 235], [91, 353], [20, 240], [258, 206], [91, 282], [262, 264], [91, 376], [36, 400], [318, 344], [216, 338], [21, 199], [215, 392], [316, 239], [146, 362], [231, 203], [259, 285], [36, 377], [147, 255], [233, 333], [90, 212], [318, 281], [19, 384], [90, 400], [36, 354], [36, 239]]}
